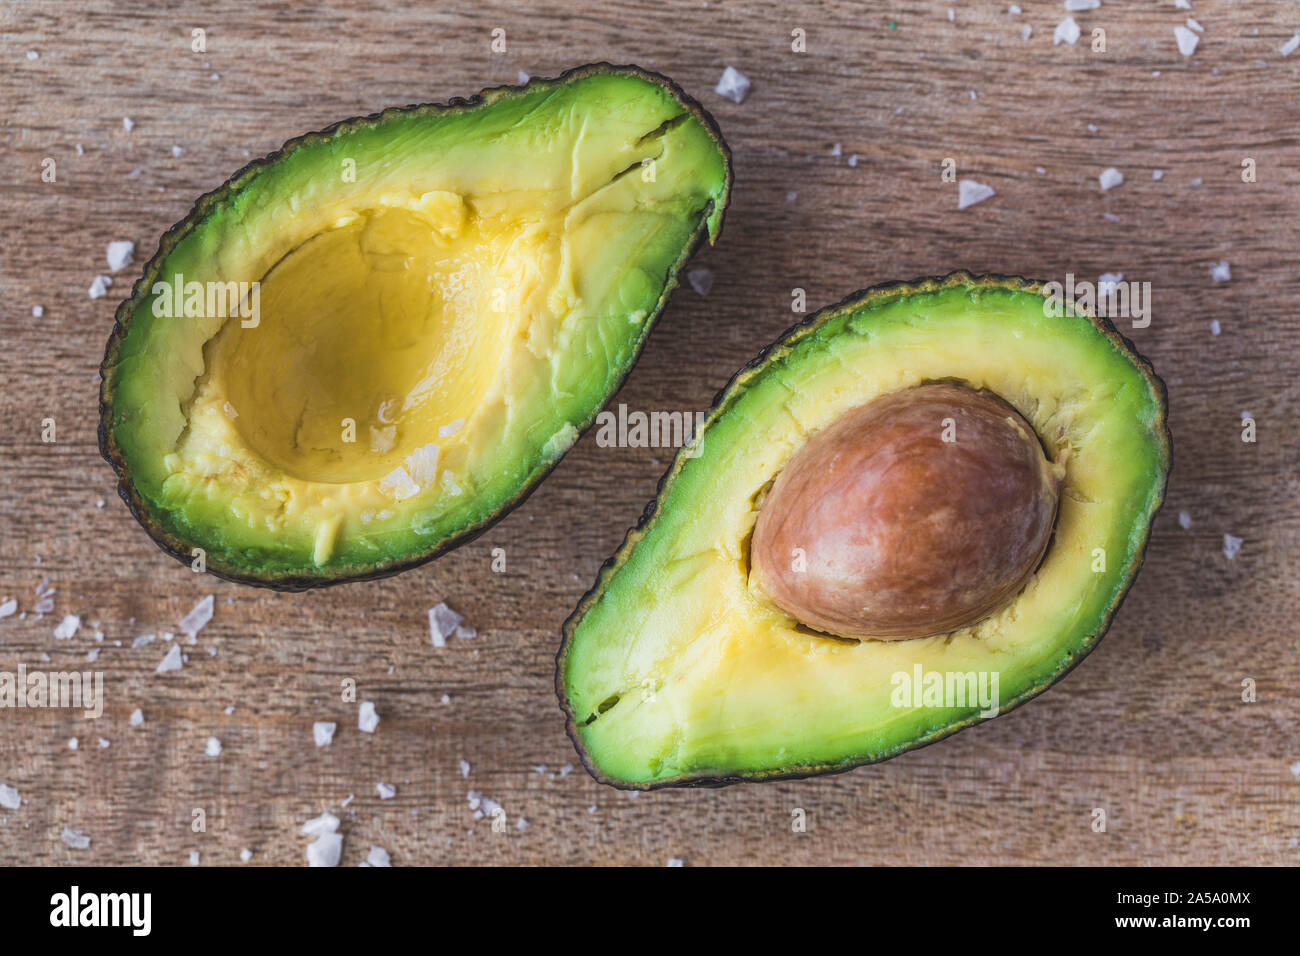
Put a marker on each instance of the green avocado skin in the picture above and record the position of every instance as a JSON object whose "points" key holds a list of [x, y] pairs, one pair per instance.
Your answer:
{"points": [[608, 643], [272, 561]]}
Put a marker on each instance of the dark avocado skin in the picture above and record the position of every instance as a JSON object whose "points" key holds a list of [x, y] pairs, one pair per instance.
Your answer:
{"points": [[294, 582], [884, 290]]}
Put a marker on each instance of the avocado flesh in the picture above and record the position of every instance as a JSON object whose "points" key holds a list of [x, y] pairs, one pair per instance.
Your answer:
{"points": [[676, 669], [467, 283]]}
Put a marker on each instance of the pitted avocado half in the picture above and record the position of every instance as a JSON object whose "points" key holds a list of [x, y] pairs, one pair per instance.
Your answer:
{"points": [[940, 476], [386, 333]]}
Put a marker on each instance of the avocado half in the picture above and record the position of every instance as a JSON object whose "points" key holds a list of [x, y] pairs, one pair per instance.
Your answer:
{"points": [[676, 670], [365, 348]]}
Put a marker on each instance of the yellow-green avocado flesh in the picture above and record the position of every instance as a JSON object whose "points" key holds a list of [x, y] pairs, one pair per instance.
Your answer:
{"points": [[675, 670], [445, 298]]}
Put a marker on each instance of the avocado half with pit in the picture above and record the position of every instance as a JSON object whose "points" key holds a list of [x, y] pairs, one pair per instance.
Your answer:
{"points": [[920, 507], [365, 348]]}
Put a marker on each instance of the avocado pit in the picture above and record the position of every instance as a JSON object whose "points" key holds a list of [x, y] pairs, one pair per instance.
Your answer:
{"points": [[919, 513]]}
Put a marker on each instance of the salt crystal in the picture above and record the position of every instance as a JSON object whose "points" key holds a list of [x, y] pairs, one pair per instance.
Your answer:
{"points": [[74, 838], [969, 192], [326, 850], [1187, 40], [378, 856], [1110, 178], [464, 633], [128, 124], [1193, 25], [178, 151], [1221, 271], [120, 254], [1231, 546], [325, 823], [1157, 174], [734, 85], [701, 280], [1215, 328], [201, 614], [1067, 31], [443, 622], [8, 607], [172, 662], [464, 768], [137, 717], [386, 791], [99, 287], [1078, 6], [676, 861], [446, 431], [523, 77], [1184, 520], [367, 719], [38, 311], [73, 743], [423, 465], [142, 640], [245, 854], [323, 732], [1291, 45], [67, 627], [213, 748], [9, 798], [397, 484]]}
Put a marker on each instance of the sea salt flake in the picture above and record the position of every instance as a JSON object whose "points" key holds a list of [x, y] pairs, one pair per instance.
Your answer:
{"points": [[67, 627], [1078, 6], [245, 854], [386, 791], [8, 608], [137, 717], [383, 439], [397, 484], [969, 192], [377, 856], [178, 151], [1215, 328], [701, 280], [99, 287], [464, 633], [1291, 45], [142, 640], [120, 254], [74, 838], [198, 617], [446, 431], [1110, 178], [1184, 520], [323, 732], [326, 850], [1221, 271], [9, 798], [172, 662], [38, 311], [213, 747], [734, 85], [1067, 31], [443, 622], [464, 768], [1193, 25], [128, 124], [1231, 546], [367, 719], [1187, 40], [325, 823]]}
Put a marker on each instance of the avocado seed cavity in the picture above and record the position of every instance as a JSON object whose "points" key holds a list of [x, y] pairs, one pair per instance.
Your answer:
{"points": [[919, 513]]}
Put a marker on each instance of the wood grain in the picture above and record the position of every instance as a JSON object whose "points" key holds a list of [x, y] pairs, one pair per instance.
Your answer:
{"points": [[1151, 727]]}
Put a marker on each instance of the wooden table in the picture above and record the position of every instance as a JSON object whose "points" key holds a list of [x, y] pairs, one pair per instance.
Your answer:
{"points": [[1151, 728]]}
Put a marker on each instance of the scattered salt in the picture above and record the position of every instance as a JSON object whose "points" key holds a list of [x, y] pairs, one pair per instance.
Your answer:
{"points": [[172, 662], [734, 85], [323, 732], [9, 798], [1110, 178], [1187, 40], [969, 192], [1221, 271], [74, 838], [1231, 546], [1067, 31], [443, 622], [378, 856], [137, 717], [701, 280], [367, 719], [201, 614], [213, 747], [99, 287], [120, 254], [386, 791]]}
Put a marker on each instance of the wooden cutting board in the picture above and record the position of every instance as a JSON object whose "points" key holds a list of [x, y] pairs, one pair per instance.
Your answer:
{"points": [[1151, 728]]}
